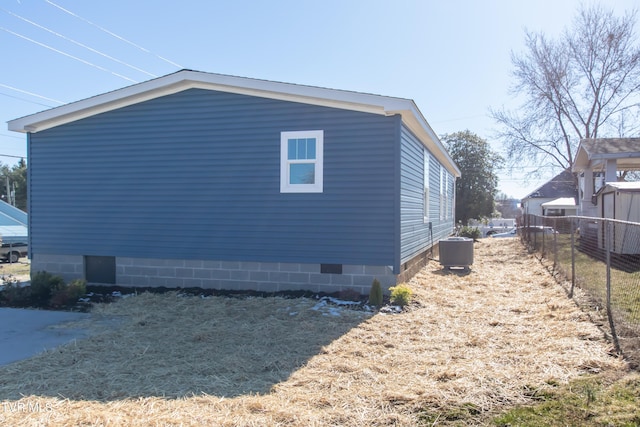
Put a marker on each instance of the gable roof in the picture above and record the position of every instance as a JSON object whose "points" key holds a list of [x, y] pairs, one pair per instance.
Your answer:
{"points": [[594, 152], [562, 185], [189, 79]]}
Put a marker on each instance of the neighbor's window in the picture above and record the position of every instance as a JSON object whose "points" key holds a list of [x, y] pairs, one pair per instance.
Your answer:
{"points": [[301, 161], [554, 212]]}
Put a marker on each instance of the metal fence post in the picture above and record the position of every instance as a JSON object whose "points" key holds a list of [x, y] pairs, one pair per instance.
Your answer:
{"points": [[555, 243], [573, 258], [535, 239], [609, 241]]}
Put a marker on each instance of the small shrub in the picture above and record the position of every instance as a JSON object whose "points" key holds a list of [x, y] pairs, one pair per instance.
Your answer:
{"points": [[375, 294], [77, 288], [68, 295], [471, 232], [401, 295], [14, 295], [43, 286]]}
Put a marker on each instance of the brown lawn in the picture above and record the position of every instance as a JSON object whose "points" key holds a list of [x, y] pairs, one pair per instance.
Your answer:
{"points": [[472, 344]]}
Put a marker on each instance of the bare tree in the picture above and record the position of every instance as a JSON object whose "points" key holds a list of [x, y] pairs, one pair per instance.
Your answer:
{"points": [[585, 84]]}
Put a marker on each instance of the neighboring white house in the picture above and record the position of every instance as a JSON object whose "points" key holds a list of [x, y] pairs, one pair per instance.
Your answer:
{"points": [[597, 162], [559, 189]]}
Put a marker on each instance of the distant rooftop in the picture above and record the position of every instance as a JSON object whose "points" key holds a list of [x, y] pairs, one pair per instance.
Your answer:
{"points": [[562, 185], [595, 151]]}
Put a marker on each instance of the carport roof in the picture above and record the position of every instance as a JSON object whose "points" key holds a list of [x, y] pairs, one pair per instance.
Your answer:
{"points": [[594, 152]]}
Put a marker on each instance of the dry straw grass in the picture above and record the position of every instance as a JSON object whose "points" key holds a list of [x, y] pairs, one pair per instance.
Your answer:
{"points": [[484, 339], [18, 270]]}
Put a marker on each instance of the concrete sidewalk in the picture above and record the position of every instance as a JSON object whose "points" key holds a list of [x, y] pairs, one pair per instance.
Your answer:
{"points": [[27, 332]]}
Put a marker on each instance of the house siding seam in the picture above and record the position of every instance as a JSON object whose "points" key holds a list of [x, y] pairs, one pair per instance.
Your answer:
{"points": [[416, 236], [195, 175]]}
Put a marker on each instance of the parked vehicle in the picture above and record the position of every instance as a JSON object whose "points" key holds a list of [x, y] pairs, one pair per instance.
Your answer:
{"points": [[510, 233], [492, 226], [529, 230], [12, 252], [538, 229]]}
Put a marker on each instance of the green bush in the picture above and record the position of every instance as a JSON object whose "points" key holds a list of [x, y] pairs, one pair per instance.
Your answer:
{"points": [[43, 286], [77, 288], [471, 232], [68, 295], [14, 295], [401, 295], [375, 294]]}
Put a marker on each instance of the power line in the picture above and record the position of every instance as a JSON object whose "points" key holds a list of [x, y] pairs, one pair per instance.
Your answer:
{"points": [[25, 100], [32, 94], [113, 34], [67, 54], [6, 135], [78, 43]]}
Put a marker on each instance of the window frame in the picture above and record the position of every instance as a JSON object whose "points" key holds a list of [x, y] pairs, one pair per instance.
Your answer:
{"points": [[285, 163]]}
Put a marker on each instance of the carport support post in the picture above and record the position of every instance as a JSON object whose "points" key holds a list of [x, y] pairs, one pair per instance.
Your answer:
{"points": [[609, 241]]}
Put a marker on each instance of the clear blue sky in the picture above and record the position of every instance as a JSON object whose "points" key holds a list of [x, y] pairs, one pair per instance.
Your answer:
{"points": [[452, 57]]}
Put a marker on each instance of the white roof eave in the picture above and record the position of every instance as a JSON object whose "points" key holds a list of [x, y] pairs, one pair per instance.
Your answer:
{"points": [[184, 80], [416, 122], [187, 79], [560, 203]]}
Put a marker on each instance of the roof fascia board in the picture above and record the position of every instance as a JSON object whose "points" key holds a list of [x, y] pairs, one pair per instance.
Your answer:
{"points": [[581, 160], [611, 156], [188, 79], [184, 80]]}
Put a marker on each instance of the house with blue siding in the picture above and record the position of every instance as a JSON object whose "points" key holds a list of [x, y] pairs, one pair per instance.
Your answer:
{"points": [[205, 180]]}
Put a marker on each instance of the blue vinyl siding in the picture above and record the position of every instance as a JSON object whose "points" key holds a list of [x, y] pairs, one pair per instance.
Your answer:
{"points": [[414, 231], [196, 175]]}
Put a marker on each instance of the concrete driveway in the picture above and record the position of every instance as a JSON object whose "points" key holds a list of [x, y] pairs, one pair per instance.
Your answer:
{"points": [[27, 332]]}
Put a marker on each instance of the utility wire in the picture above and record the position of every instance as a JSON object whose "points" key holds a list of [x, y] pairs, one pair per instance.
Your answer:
{"points": [[67, 55], [25, 100], [6, 135], [112, 34], [78, 43], [32, 94]]}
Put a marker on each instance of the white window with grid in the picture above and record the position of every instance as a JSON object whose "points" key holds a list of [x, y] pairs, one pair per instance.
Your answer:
{"points": [[301, 161]]}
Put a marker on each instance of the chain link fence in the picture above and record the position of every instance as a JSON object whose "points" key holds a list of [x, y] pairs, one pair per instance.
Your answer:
{"points": [[601, 258]]}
